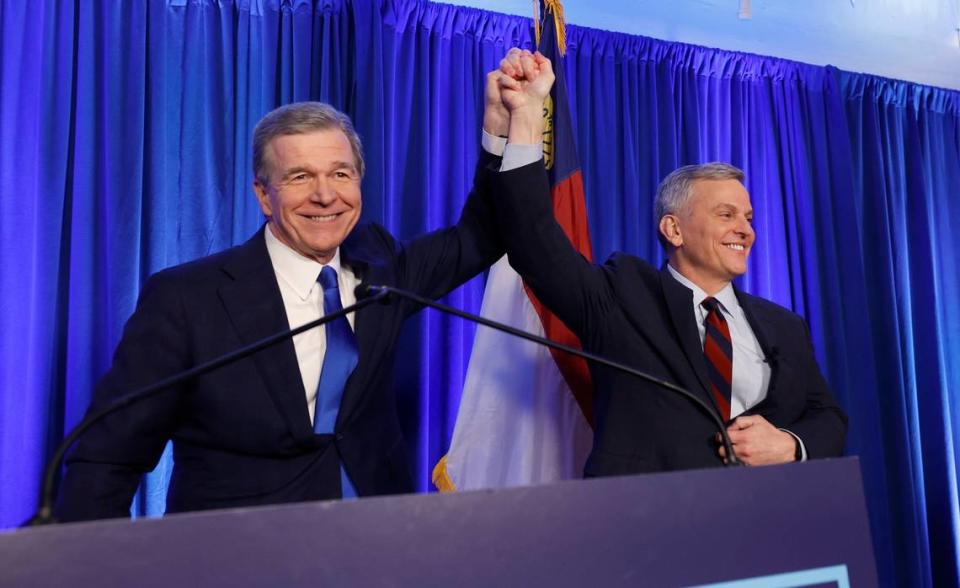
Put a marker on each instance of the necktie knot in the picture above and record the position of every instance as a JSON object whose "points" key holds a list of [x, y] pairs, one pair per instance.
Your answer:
{"points": [[328, 278], [710, 303]]}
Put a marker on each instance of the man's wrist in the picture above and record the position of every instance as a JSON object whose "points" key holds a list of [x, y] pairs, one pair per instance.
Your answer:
{"points": [[799, 451], [526, 127], [516, 155], [496, 124], [492, 144]]}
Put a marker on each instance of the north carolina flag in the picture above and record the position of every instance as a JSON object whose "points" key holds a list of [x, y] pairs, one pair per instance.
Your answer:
{"points": [[526, 411]]}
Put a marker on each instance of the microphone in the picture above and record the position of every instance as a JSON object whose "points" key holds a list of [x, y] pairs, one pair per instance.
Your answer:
{"points": [[380, 290], [44, 514], [364, 291], [772, 357]]}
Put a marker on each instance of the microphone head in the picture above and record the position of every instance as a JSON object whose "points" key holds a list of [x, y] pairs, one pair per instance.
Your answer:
{"points": [[370, 290], [773, 356]]}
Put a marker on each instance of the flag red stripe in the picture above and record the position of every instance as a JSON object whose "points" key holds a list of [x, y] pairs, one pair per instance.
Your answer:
{"points": [[569, 207]]}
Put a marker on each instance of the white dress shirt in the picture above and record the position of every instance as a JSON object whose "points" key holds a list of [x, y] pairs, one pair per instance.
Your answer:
{"points": [[514, 155], [303, 302], [751, 374]]}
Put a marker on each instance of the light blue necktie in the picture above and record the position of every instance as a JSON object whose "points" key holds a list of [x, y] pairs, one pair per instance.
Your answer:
{"points": [[339, 362]]}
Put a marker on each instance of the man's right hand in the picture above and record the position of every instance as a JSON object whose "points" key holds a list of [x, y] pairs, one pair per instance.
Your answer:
{"points": [[525, 84], [496, 117]]}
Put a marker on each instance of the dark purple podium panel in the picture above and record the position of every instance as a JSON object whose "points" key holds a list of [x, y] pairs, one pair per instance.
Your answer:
{"points": [[794, 525]]}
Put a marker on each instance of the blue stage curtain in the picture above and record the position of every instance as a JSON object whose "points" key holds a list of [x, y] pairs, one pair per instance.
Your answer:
{"points": [[906, 170], [124, 149]]}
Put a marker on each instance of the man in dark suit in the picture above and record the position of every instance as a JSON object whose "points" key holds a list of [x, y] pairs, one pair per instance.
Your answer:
{"points": [[686, 323], [310, 418]]}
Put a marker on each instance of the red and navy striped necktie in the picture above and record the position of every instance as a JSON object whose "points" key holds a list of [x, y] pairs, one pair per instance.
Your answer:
{"points": [[719, 353]]}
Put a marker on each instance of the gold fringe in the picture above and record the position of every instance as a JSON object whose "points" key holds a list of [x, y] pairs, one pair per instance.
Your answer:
{"points": [[559, 23], [441, 477], [536, 22]]}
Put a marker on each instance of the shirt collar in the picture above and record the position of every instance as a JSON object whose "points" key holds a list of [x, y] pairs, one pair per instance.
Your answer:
{"points": [[727, 297], [299, 272]]}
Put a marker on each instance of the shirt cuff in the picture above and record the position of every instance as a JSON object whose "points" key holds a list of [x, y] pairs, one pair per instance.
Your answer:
{"points": [[803, 448], [515, 156], [493, 144]]}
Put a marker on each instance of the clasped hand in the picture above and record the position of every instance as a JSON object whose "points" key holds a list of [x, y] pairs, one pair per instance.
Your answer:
{"points": [[514, 97]]}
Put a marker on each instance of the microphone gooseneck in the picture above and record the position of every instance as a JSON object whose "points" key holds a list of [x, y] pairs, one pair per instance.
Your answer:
{"points": [[44, 514], [375, 290]]}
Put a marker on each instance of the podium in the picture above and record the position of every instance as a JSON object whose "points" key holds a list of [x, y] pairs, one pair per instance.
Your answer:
{"points": [[800, 524]]}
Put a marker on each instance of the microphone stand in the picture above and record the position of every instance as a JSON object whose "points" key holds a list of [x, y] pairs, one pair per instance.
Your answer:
{"points": [[388, 290], [44, 514]]}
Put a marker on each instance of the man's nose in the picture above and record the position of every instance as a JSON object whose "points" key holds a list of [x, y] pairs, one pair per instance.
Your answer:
{"points": [[322, 192]]}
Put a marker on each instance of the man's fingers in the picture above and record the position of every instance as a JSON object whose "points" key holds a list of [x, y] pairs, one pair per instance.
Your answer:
{"points": [[745, 422], [493, 79], [734, 433], [543, 63], [530, 68], [511, 63], [742, 456], [509, 83], [511, 67]]}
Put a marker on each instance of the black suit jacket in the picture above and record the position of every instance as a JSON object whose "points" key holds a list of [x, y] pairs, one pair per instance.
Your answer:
{"points": [[242, 434], [631, 312]]}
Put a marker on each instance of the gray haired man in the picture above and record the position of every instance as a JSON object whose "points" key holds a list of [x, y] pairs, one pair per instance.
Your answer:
{"points": [[313, 417], [686, 322]]}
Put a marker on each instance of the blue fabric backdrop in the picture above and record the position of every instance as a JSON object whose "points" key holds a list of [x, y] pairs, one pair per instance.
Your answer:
{"points": [[124, 149]]}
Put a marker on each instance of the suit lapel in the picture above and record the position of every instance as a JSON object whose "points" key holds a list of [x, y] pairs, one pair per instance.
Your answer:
{"points": [[766, 337], [253, 303], [680, 305]]}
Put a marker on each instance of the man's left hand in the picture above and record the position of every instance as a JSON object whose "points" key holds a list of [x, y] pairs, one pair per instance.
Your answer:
{"points": [[496, 117], [757, 442]]}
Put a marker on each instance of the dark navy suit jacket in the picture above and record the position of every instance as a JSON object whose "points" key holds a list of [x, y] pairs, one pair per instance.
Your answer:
{"points": [[632, 312], [242, 434]]}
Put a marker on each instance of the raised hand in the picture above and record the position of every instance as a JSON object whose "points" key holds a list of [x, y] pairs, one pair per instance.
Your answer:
{"points": [[496, 117], [527, 79], [524, 85]]}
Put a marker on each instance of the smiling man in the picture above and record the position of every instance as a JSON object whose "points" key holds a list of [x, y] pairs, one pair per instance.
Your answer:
{"points": [[686, 322], [308, 185], [310, 418]]}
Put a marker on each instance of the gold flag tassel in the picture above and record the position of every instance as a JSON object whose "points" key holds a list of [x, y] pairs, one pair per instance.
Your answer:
{"points": [[552, 6], [536, 22]]}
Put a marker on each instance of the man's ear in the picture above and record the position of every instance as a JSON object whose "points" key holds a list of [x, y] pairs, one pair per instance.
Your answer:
{"points": [[670, 229], [262, 197]]}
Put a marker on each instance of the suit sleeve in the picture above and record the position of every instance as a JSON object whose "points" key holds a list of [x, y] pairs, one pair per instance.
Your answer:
{"points": [[435, 263], [105, 466], [823, 425], [569, 285]]}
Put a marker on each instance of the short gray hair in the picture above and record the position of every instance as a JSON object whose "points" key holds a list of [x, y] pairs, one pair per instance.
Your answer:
{"points": [[300, 118], [677, 188]]}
